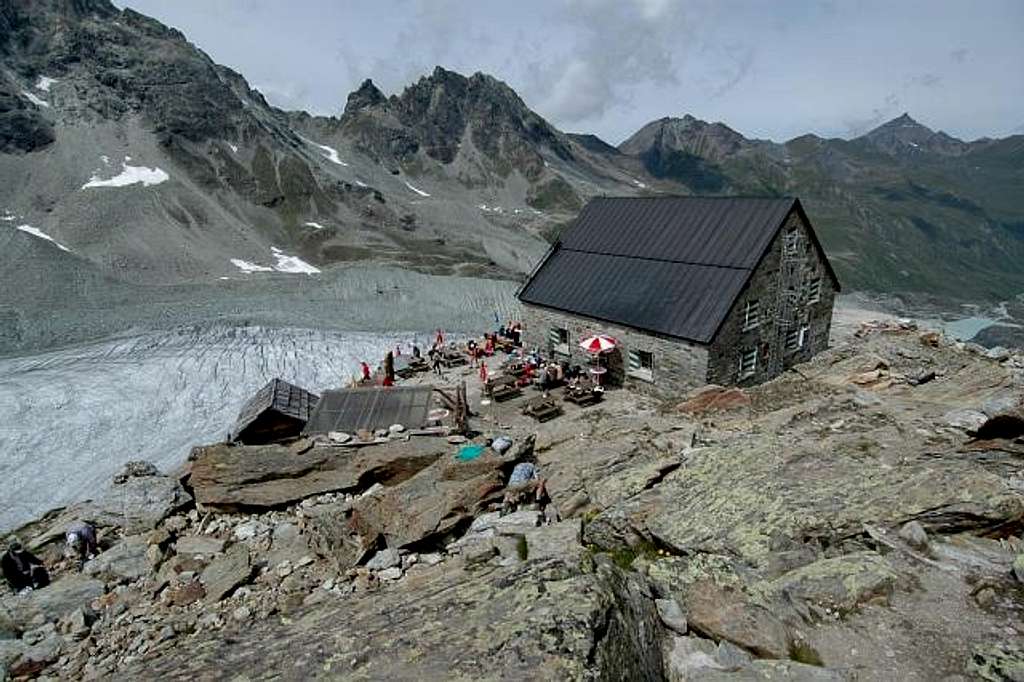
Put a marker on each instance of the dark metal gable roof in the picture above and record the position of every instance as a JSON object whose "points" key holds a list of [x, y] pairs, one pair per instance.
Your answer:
{"points": [[668, 265], [280, 396], [721, 231]]}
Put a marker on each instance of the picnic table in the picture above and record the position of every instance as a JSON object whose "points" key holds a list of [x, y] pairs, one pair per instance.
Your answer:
{"points": [[583, 391], [542, 409], [452, 358], [407, 365], [582, 396], [502, 387]]}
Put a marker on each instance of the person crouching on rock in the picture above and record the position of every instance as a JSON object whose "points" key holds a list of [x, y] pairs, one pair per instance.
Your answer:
{"points": [[81, 542], [23, 569]]}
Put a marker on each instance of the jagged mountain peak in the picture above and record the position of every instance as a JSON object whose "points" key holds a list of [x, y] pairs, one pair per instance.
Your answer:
{"points": [[435, 113], [367, 95]]}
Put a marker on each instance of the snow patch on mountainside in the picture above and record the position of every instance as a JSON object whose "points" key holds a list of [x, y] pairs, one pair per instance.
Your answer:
{"points": [[285, 263], [246, 266], [36, 232], [130, 175], [330, 153], [44, 83], [417, 190], [292, 264], [35, 100]]}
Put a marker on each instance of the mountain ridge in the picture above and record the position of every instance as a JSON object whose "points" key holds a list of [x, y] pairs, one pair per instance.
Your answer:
{"points": [[454, 174]]}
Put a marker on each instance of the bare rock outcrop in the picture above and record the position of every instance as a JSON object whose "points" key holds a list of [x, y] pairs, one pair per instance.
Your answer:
{"points": [[227, 477]]}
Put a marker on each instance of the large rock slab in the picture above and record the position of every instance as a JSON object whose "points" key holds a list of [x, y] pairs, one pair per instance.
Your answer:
{"points": [[54, 601], [552, 619], [722, 613], [139, 504], [840, 583], [732, 499], [226, 573], [125, 561], [228, 477], [329, 535], [203, 545], [690, 659], [432, 503], [136, 506]]}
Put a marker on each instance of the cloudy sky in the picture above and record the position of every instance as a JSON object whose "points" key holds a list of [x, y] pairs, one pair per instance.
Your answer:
{"points": [[768, 69]]}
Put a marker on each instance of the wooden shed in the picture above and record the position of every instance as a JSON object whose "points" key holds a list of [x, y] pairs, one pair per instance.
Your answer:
{"points": [[278, 411]]}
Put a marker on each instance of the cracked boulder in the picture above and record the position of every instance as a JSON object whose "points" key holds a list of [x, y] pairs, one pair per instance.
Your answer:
{"points": [[437, 501], [227, 477], [725, 614]]}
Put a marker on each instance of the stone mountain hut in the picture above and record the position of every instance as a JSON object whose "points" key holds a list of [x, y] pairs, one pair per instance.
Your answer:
{"points": [[697, 290], [277, 411]]}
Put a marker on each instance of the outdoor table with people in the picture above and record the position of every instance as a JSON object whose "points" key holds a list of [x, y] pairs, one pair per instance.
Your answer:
{"points": [[582, 391]]}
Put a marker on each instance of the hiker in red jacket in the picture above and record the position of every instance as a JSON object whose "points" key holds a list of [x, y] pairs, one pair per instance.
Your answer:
{"points": [[366, 372], [483, 372]]}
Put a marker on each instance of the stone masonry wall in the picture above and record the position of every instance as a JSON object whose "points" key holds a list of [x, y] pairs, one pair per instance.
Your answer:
{"points": [[678, 366], [766, 287]]}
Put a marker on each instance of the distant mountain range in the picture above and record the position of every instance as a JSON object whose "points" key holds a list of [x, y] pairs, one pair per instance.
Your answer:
{"points": [[127, 157]]}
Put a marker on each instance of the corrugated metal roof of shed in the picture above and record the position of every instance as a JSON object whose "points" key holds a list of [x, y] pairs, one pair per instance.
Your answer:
{"points": [[676, 299], [354, 409], [724, 231]]}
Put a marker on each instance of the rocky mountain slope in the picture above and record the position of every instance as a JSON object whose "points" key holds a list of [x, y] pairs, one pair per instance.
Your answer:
{"points": [[133, 155], [900, 209], [858, 518]]}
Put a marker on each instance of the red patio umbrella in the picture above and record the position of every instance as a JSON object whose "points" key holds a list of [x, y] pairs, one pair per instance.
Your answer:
{"points": [[599, 343]]}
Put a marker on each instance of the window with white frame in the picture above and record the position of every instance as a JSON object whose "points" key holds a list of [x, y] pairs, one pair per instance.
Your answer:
{"points": [[751, 315], [558, 339], [814, 290], [641, 364], [748, 363]]}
